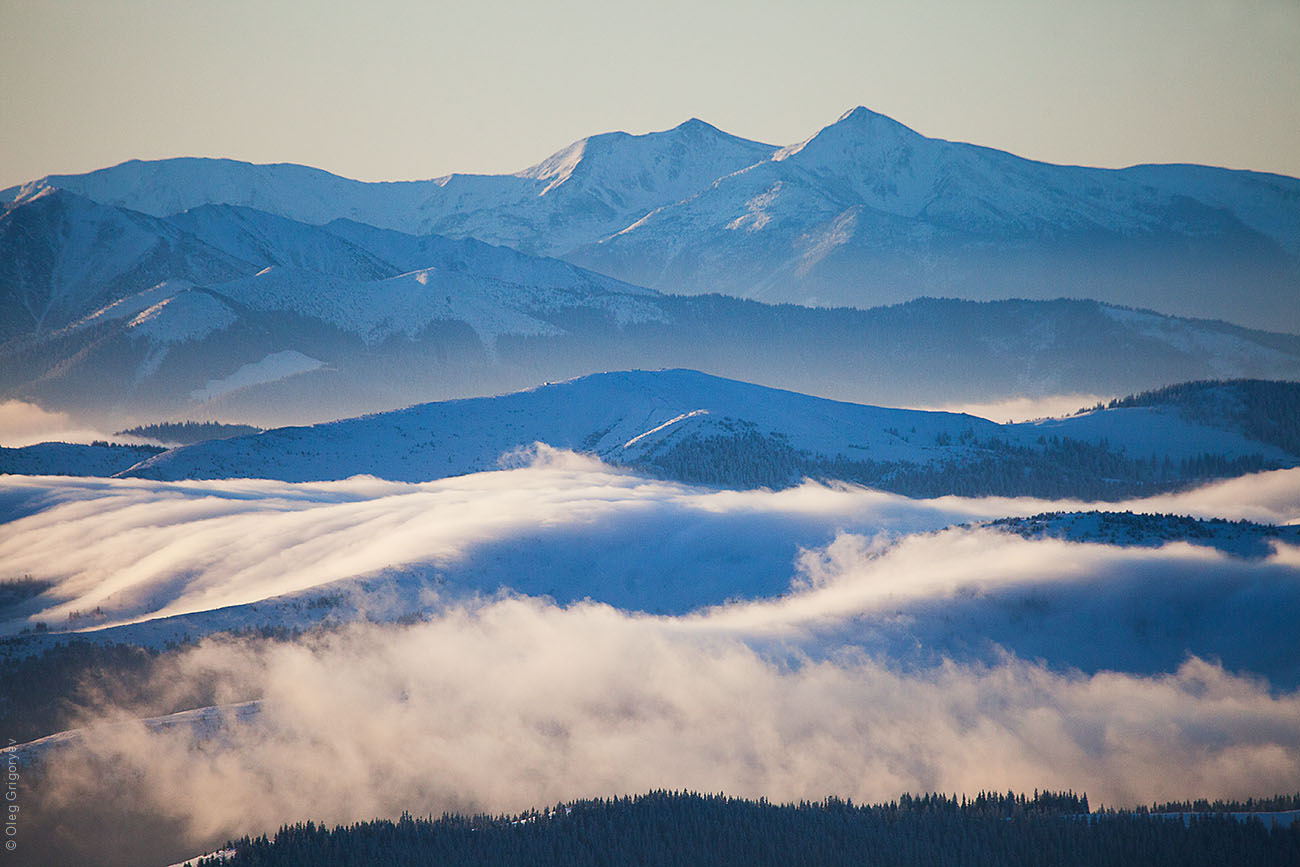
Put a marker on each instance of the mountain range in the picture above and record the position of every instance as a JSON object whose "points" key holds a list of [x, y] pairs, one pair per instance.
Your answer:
{"points": [[866, 212], [229, 311]]}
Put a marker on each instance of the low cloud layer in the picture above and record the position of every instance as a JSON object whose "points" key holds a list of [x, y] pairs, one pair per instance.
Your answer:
{"points": [[521, 704], [23, 424], [873, 652], [140, 549], [1015, 409]]}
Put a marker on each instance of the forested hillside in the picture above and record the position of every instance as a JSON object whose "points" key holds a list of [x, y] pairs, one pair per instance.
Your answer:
{"points": [[1058, 467], [188, 432], [1266, 411], [73, 459]]}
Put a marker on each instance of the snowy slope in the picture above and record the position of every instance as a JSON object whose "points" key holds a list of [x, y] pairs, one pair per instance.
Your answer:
{"points": [[644, 418], [165, 187], [116, 312], [111, 309], [618, 416], [267, 240], [601, 184], [52, 459], [412, 252], [1268, 203]]}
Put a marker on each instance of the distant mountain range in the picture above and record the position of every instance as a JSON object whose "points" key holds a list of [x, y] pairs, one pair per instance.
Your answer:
{"points": [[866, 212], [688, 426], [231, 312]]}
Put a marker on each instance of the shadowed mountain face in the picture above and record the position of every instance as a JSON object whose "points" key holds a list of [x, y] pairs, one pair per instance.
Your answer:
{"points": [[63, 256], [866, 212]]}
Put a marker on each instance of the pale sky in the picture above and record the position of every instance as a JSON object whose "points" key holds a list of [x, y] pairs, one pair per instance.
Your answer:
{"points": [[406, 89]]}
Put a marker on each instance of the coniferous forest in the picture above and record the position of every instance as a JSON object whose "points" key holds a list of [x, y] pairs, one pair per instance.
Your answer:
{"points": [[672, 828]]}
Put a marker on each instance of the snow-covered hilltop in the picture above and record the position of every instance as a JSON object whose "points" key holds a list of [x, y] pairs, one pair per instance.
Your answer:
{"points": [[865, 212], [692, 427]]}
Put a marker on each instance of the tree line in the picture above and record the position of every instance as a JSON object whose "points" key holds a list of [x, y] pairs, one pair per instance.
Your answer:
{"points": [[685, 828], [1055, 467]]}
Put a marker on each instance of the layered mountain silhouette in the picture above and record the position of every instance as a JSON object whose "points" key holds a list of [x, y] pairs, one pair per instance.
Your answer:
{"points": [[228, 311]]}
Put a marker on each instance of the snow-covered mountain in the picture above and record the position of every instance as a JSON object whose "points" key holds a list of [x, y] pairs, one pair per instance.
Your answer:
{"points": [[865, 212], [698, 428], [870, 211], [227, 311], [590, 189]]}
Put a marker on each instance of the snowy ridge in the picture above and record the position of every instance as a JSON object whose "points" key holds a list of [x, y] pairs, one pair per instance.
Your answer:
{"points": [[52, 459], [864, 212], [101, 300], [63, 256], [621, 416], [589, 189], [640, 418], [265, 239], [869, 210], [182, 317], [273, 368]]}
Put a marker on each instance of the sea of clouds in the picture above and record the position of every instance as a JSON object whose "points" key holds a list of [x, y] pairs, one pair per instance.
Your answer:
{"points": [[796, 644]]}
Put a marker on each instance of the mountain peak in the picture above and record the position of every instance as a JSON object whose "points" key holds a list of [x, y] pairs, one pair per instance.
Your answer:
{"points": [[857, 125], [685, 159], [860, 114], [862, 117], [697, 127]]}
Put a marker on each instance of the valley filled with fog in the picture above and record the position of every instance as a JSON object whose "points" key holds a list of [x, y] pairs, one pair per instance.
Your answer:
{"points": [[565, 629]]}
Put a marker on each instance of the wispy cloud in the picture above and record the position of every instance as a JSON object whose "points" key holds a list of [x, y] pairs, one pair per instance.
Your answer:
{"points": [[23, 424], [142, 549], [520, 703], [1025, 408]]}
